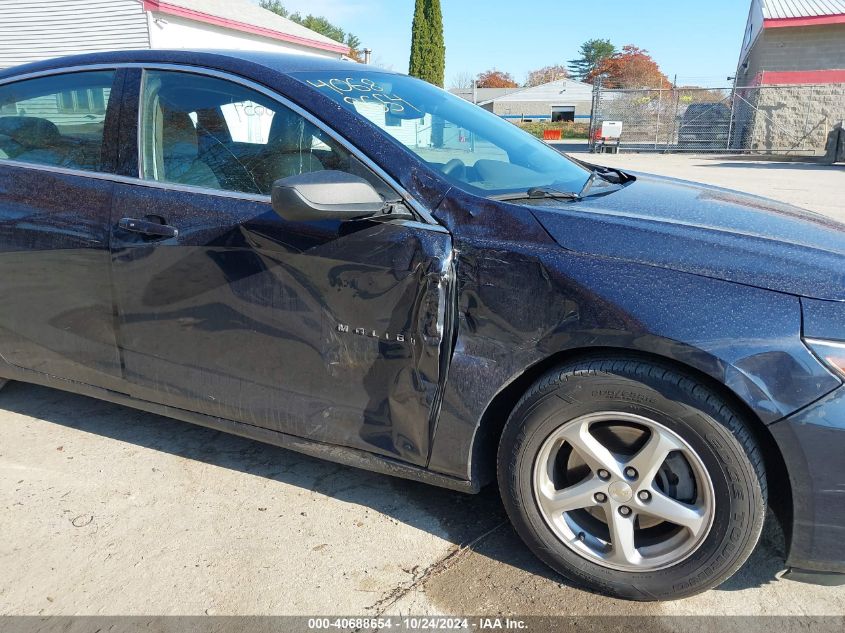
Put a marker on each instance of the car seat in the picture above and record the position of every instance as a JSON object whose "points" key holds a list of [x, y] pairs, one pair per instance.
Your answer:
{"points": [[180, 151], [32, 140], [289, 150]]}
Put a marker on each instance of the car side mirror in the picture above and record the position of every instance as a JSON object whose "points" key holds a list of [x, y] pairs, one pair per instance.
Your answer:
{"points": [[325, 195]]}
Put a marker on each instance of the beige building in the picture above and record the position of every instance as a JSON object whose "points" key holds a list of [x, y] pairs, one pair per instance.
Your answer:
{"points": [[791, 78], [793, 42]]}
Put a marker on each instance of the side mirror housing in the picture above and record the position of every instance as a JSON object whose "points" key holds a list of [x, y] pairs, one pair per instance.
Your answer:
{"points": [[325, 195]]}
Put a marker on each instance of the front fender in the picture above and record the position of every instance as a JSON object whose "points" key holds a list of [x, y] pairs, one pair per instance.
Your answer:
{"points": [[520, 303]]}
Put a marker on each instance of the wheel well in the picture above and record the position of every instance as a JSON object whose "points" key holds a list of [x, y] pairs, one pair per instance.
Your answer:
{"points": [[493, 421]]}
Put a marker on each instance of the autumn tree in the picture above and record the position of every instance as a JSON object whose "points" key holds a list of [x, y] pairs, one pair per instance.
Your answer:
{"points": [[428, 48], [593, 53], [319, 24], [496, 79], [546, 75], [633, 67]]}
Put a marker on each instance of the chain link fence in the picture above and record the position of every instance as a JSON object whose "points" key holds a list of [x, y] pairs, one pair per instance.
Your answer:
{"points": [[800, 120]]}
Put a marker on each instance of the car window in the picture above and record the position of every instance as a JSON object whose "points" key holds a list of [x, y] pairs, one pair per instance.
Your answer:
{"points": [[213, 133], [475, 149], [57, 120]]}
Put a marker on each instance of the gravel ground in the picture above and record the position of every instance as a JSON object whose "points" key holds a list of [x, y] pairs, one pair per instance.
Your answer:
{"points": [[105, 510]]}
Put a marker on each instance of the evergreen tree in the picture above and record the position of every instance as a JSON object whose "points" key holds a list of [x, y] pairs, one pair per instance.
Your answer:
{"points": [[593, 53], [317, 23], [428, 49]]}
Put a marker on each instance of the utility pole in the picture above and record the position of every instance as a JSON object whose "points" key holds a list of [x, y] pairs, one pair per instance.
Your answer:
{"points": [[733, 111], [671, 140]]}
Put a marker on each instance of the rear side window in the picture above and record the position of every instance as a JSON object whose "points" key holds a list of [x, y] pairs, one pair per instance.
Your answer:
{"points": [[57, 120]]}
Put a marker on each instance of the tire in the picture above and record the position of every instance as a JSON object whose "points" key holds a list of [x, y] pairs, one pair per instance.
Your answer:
{"points": [[713, 477]]}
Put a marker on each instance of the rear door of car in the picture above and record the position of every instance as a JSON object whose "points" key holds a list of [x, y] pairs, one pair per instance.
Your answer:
{"points": [[57, 160], [326, 330]]}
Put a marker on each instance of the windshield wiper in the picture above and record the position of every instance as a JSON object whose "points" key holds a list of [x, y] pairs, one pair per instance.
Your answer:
{"points": [[587, 185], [538, 193], [613, 179]]}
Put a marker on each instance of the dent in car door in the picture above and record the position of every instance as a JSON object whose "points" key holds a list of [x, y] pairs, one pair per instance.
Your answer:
{"points": [[326, 330], [56, 311], [321, 330]]}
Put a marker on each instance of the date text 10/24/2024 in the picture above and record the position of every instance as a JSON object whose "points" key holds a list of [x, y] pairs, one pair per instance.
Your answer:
{"points": [[418, 624]]}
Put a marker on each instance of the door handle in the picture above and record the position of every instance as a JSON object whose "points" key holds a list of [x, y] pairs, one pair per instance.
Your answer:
{"points": [[145, 227]]}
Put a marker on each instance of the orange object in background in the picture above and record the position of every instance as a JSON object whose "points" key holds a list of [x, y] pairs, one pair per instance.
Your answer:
{"points": [[552, 135]]}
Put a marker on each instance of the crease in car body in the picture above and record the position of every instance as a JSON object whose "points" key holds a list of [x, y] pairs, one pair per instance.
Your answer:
{"points": [[257, 318], [279, 289]]}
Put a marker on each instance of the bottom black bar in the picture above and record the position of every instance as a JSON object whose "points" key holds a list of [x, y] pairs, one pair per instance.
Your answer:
{"points": [[362, 624]]}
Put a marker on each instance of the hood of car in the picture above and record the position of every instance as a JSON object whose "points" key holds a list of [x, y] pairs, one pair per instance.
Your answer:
{"points": [[707, 231]]}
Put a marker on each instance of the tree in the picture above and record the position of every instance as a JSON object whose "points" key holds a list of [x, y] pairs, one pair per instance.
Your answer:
{"points": [[496, 79], [354, 45], [631, 68], [428, 49], [545, 75], [593, 53], [275, 6], [319, 24], [462, 81]]}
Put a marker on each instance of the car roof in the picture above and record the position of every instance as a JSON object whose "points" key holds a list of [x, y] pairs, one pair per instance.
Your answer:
{"points": [[231, 60], [706, 106]]}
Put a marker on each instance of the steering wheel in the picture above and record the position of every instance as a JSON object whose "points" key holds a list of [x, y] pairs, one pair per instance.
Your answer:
{"points": [[455, 168]]}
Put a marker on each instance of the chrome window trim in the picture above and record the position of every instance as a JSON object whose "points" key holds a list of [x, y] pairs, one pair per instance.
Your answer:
{"points": [[129, 180], [414, 204]]}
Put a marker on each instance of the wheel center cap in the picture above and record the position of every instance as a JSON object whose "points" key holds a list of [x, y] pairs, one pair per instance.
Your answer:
{"points": [[620, 492]]}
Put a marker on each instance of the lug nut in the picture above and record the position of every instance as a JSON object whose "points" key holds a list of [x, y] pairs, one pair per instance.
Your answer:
{"points": [[631, 473], [603, 474], [601, 497], [644, 495], [624, 511]]}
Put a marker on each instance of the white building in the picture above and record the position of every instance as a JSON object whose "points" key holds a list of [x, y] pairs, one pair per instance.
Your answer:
{"points": [[31, 30], [561, 100]]}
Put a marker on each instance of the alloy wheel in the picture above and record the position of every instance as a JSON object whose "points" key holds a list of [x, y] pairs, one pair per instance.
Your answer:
{"points": [[623, 491]]}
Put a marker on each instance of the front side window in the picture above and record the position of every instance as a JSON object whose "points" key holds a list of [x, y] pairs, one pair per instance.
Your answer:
{"points": [[213, 133], [57, 120], [472, 147]]}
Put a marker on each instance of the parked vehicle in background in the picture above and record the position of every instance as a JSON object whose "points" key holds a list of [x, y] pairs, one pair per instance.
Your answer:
{"points": [[357, 265], [705, 126]]}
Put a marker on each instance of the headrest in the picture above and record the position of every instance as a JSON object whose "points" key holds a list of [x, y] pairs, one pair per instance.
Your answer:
{"points": [[289, 131], [178, 135], [30, 131]]}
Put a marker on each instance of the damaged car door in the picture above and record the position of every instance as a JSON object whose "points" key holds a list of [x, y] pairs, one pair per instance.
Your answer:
{"points": [[326, 329]]}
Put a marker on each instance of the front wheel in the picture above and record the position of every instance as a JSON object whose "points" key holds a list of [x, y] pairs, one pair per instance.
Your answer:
{"points": [[633, 479]]}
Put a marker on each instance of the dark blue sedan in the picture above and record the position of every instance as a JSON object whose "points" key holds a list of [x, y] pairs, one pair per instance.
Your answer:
{"points": [[357, 265]]}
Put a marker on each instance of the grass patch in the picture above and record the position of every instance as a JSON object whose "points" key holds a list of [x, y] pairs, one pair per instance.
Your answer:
{"points": [[568, 130]]}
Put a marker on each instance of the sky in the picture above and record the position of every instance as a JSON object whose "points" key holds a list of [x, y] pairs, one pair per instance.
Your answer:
{"points": [[699, 41]]}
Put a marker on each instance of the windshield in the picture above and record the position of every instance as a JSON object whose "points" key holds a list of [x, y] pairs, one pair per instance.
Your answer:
{"points": [[473, 148]]}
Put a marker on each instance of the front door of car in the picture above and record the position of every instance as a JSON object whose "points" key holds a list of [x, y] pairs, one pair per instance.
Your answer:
{"points": [[57, 136], [326, 330]]}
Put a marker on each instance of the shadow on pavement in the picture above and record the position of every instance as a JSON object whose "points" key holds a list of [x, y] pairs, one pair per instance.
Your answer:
{"points": [[461, 519], [458, 517]]}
